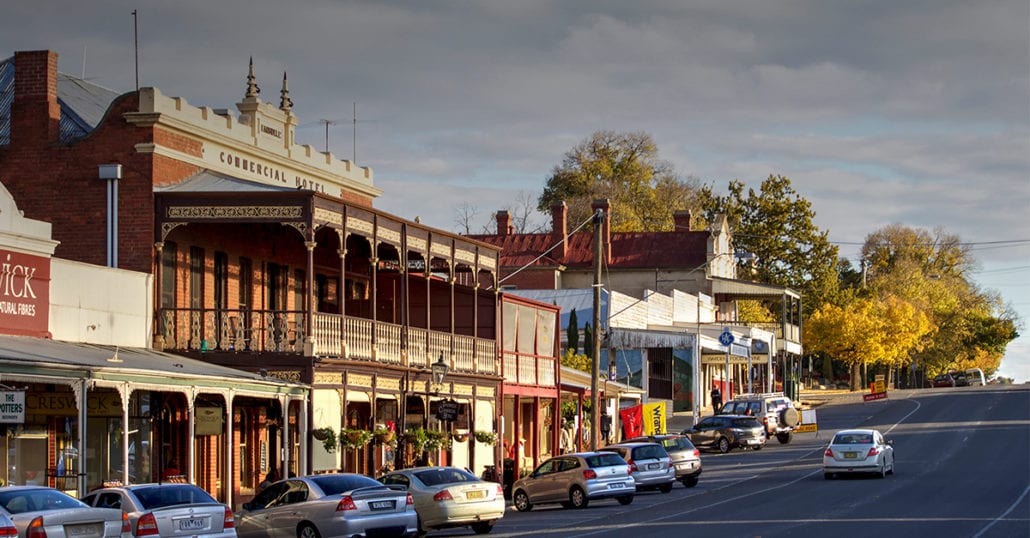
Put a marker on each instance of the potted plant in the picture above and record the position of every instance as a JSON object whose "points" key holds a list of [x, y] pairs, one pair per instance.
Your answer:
{"points": [[327, 436], [354, 437], [485, 437], [416, 437], [383, 435], [436, 439]]}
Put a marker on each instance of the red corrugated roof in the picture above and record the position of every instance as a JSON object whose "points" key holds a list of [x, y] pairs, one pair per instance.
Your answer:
{"points": [[630, 250]]}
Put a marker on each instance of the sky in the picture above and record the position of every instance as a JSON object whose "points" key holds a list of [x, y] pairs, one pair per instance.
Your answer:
{"points": [[879, 112]]}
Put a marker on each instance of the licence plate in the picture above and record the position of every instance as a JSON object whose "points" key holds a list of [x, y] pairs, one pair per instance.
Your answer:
{"points": [[381, 505], [616, 485], [685, 465], [850, 455], [193, 524], [87, 530], [475, 494], [754, 441], [653, 466]]}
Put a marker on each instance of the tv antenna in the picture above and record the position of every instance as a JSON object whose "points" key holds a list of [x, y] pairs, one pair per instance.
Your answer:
{"points": [[354, 130]]}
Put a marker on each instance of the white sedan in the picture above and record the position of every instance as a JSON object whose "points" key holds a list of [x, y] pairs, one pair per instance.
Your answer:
{"points": [[450, 497], [858, 451]]}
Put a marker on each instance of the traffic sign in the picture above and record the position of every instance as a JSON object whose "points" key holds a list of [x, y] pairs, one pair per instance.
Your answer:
{"points": [[726, 338]]}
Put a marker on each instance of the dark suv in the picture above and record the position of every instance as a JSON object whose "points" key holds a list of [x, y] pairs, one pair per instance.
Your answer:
{"points": [[686, 458], [724, 432], [773, 409]]}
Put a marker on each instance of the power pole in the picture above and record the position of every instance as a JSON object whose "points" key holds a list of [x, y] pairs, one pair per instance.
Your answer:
{"points": [[595, 406]]}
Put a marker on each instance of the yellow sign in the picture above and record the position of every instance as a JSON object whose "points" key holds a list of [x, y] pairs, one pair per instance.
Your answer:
{"points": [[654, 418], [806, 428], [879, 386]]}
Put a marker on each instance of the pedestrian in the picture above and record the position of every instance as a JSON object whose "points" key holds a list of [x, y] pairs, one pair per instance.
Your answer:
{"points": [[716, 399], [270, 477]]}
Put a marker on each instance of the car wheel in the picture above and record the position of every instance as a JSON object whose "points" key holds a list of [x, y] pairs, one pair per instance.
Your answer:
{"points": [[882, 473], [891, 470], [665, 488], [578, 498], [828, 476], [689, 482], [483, 527], [758, 446], [625, 499], [308, 531], [521, 501], [724, 445], [785, 438]]}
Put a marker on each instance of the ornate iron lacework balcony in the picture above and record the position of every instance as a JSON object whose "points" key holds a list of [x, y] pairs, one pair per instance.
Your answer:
{"points": [[334, 335]]}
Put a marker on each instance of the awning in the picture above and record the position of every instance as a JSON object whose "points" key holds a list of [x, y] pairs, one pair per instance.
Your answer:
{"points": [[28, 359]]}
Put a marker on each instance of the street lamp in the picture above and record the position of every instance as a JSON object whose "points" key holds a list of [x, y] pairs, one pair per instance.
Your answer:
{"points": [[439, 369]]}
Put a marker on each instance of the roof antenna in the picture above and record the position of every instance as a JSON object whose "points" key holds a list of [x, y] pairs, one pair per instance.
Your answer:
{"points": [[84, 62], [327, 124], [135, 33]]}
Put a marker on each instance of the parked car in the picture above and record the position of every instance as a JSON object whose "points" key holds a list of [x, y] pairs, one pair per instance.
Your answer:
{"points": [[44, 511], [649, 463], [725, 432], [343, 504], [976, 377], [7, 527], [943, 380], [450, 497], [960, 379], [773, 409], [167, 510], [686, 458], [573, 480], [858, 451]]}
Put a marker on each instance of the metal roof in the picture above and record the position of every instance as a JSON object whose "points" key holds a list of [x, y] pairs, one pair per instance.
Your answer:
{"points": [[25, 357], [83, 103], [208, 181], [741, 289]]}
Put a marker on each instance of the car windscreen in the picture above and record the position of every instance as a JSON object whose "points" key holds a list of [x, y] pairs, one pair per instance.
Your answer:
{"points": [[649, 452], [151, 497], [746, 423], [37, 500], [677, 443], [604, 460], [436, 477], [333, 484], [853, 439]]}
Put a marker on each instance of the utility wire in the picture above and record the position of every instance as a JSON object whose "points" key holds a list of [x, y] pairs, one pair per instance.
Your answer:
{"points": [[548, 251]]}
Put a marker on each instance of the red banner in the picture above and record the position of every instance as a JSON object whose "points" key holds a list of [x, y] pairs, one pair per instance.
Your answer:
{"points": [[632, 421]]}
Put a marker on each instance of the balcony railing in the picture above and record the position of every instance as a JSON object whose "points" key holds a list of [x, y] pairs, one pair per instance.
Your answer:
{"points": [[334, 336], [528, 369]]}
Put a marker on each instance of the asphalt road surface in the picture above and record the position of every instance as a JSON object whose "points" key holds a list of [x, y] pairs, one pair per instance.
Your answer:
{"points": [[963, 469]]}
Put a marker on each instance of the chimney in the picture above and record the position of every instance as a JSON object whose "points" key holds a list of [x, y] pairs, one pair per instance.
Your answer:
{"points": [[606, 225], [504, 226], [560, 230], [681, 221], [35, 114]]}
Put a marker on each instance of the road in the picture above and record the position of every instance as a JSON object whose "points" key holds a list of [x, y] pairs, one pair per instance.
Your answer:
{"points": [[963, 469]]}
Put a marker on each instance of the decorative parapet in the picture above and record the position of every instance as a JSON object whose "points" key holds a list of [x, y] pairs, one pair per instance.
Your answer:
{"points": [[258, 145]]}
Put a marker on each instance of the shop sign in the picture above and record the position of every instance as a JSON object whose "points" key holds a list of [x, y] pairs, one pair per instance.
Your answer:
{"points": [[24, 294], [447, 410], [209, 420], [12, 407]]}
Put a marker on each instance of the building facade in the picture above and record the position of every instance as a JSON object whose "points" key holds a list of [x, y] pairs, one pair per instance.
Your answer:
{"points": [[269, 257]]}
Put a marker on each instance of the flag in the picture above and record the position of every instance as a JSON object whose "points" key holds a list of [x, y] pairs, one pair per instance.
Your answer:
{"points": [[654, 418], [632, 421]]}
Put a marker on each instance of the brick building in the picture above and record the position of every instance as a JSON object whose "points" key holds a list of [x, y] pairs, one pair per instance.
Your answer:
{"points": [[267, 256]]}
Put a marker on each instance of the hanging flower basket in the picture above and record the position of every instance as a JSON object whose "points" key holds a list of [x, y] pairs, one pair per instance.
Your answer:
{"points": [[354, 438], [436, 439], [383, 436], [416, 438], [327, 436], [487, 438], [460, 437]]}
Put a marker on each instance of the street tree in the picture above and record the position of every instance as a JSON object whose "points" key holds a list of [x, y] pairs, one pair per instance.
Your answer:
{"points": [[775, 224], [572, 332], [624, 168]]}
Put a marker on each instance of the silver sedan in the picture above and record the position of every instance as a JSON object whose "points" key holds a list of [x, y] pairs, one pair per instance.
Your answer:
{"points": [[167, 510], [858, 451], [48, 512], [451, 497], [328, 506]]}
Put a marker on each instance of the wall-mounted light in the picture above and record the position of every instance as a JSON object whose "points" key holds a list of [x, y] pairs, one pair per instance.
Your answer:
{"points": [[439, 369]]}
